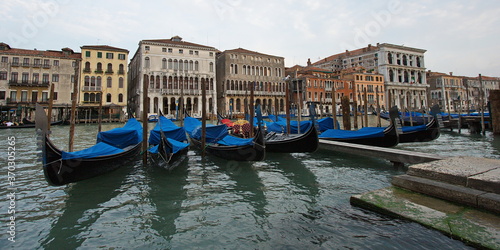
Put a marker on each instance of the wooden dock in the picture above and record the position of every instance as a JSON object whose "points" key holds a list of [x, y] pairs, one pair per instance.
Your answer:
{"points": [[397, 156]]}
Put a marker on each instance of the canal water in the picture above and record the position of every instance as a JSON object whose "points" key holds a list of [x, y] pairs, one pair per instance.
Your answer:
{"points": [[288, 201]]}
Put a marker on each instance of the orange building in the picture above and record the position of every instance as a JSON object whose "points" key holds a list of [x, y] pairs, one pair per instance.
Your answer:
{"points": [[372, 81]]}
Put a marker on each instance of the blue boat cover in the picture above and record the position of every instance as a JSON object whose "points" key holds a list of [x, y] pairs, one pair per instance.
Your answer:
{"points": [[169, 129], [326, 123], [214, 133], [280, 126], [176, 146], [407, 129], [100, 149], [230, 140], [367, 132], [130, 134]]}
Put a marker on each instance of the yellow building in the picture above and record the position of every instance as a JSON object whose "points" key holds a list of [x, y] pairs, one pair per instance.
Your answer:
{"points": [[103, 73], [373, 82]]}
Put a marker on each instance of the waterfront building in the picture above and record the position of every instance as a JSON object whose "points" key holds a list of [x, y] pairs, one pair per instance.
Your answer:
{"points": [[447, 90], [103, 76], [26, 77], [238, 70], [372, 81], [402, 67], [174, 71], [478, 91]]}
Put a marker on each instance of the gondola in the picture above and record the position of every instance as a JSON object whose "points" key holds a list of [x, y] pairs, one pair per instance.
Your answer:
{"points": [[168, 144], [219, 143], [371, 136], [422, 133], [293, 143], [112, 150]]}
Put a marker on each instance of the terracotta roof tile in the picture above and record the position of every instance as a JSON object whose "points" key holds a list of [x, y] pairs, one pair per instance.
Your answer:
{"points": [[41, 53]]}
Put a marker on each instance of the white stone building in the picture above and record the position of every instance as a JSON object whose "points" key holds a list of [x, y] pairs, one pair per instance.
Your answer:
{"points": [[174, 71], [403, 69]]}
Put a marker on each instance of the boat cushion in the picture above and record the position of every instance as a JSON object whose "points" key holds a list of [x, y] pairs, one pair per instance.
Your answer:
{"points": [[230, 140], [130, 134], [99, 149], [367, 132]]}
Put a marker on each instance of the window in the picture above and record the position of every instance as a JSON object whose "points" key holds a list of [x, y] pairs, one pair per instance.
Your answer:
{"points": [[87, 67], [34, 96], [121, 56], [2, 95], [170, 64], [5, 59], [56, 63], [120, 98], [146, 48], [13, 96], [36, 78], [121, 69], [211, 54], [45, 96], [99, 68], [13, 77], [99, 54], [87, 81], [196, 52], [190, 52], [55, 77], [109, 55], [146, 63], [55, 96], [98, 82], [87, 53], [181, 51], [26, 62], [164, 63], [163, 49], [170, 50], [15, 60], [109, 83], [46, 63], [110, 68], [3, 75], [24, 96], [120, 82], [25, 76], [108, 97], [38, 62], [212, 68]]}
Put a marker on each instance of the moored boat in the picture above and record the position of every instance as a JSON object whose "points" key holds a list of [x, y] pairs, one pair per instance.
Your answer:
{"points": [[112, 150], [293, 143], [219, 143], [168, 141]]}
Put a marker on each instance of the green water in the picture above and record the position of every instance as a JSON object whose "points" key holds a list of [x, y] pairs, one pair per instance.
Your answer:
{"points": [[288, 201]]}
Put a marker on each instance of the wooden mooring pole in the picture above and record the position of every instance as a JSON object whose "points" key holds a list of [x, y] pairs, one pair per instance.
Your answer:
{"points": [[495, 111]]}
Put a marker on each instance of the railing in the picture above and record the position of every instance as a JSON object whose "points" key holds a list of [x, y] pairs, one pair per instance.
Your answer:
{"points": [[98, 71], [46, 66], [109, 72], [28, 84], [26, 102], [86, 70], [92, 88], [121, 72]]}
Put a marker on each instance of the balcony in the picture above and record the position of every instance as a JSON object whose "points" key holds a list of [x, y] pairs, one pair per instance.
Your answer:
{"points": [[14, 64], [37, 65], [25, 102], [86, 70], [121, 72], [109, 72], [92, 88], [46, 66], [28, 84], [98, 71], [26, 65]]}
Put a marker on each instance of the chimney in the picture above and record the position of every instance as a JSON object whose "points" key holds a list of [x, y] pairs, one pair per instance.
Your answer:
{"points": [[308, 62], [451, 73]]}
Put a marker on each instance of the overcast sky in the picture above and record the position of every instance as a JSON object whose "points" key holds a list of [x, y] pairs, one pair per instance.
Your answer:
{"points": [[460, 36]]}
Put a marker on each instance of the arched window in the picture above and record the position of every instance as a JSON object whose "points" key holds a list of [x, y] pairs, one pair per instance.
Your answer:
{"points": [[87, 81], [92, 81], [181, 65], [98, 84], [92, 97], [120, 98], [186, 65], [86, 97], [191, 65], [99, 67], [109, 83], [146, 62], [170, 62], [108, 97], [389, 58], [87, 66], [212, 68], [110, 68], [121, 70], [196, 67], [164, 63], [120, 82], [391, 76]]}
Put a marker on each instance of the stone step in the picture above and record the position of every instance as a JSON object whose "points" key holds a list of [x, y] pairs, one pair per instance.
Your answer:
{"points": [[477, 173], [451, 192]]}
